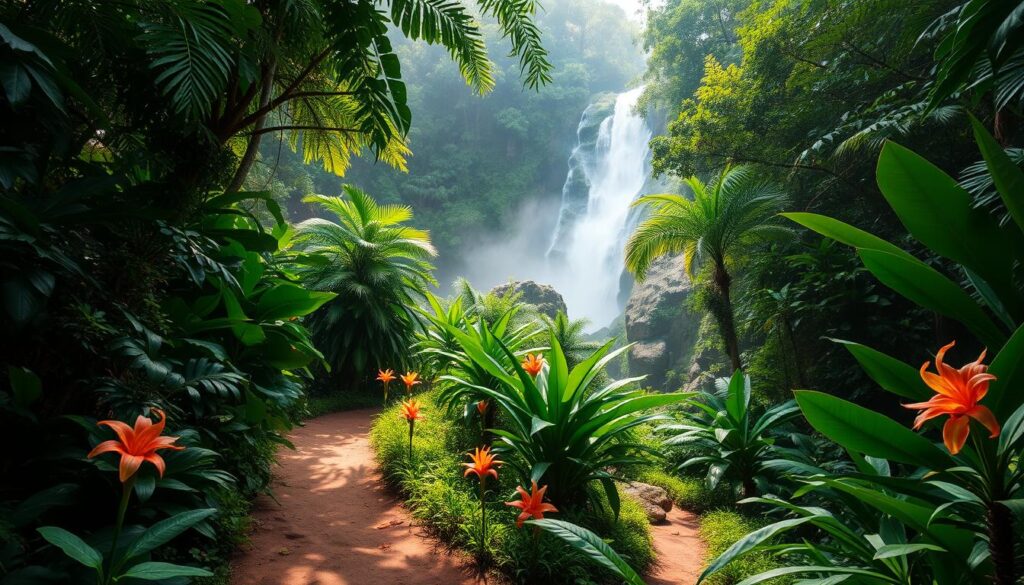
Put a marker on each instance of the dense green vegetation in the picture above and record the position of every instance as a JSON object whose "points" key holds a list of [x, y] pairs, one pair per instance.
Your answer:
{"points": [[137, 278], [447, 503], [851, 207]]}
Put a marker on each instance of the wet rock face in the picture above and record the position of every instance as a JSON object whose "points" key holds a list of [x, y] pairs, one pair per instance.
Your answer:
{"points": [[653, 499], [658, 323], [547, 300]]}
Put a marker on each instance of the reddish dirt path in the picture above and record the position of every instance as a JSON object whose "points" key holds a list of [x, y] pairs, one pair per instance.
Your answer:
{"points": [[334, 523], [680, 550]]}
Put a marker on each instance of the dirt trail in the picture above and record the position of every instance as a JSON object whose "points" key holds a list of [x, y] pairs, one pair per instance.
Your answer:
{"points": [[680, 550], [334, 523]]}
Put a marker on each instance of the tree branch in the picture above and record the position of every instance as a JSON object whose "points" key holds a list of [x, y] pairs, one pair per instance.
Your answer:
{"points": [[303, 127], [797, 166], [879, 63], [287, 94]]}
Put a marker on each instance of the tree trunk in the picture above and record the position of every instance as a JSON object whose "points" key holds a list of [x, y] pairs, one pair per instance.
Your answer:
{"points": [[252, 149], [1000, 544], [749, 487], [726, 319]]}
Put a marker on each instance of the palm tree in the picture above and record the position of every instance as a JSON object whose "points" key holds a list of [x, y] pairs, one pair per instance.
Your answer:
{"points": [[727, 216], [571, 337], [378, 267]]}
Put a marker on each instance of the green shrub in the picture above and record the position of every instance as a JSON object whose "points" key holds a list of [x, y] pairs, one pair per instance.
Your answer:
{"points": [[689, 493], [719, 530], [445, 502]]}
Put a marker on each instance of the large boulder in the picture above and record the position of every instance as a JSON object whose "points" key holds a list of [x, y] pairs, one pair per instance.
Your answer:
{"points": [[658, 323], [653, 499], [543, 296]]}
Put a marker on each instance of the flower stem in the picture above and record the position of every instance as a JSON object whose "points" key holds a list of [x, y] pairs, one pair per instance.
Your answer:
{"points": [[483, 519], [412, 425], [126, 495]]}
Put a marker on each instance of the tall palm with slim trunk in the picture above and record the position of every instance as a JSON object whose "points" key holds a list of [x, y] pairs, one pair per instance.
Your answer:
{"points": [[378, 266], [727, 216]]}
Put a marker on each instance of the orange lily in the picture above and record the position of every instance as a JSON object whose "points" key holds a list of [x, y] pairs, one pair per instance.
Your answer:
{"points": [[386, 376], [959, 392], [533, 364], [137, 445], [410, 380], [483, 464], [532, 504], [411, 410], [481, 407]]}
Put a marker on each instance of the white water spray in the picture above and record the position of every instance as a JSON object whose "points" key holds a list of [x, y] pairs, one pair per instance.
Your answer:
{"points": [[605, 176]]}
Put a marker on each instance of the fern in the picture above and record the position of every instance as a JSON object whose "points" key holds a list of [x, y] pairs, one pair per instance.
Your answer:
{"points": [[191, 51]]}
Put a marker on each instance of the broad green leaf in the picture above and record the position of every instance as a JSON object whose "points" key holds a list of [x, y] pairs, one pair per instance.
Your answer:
{"points": [[155, 571], [941, 214], [38, 503], [73, 546], [1005, 393], [901, 550], [25, 384], [738, 396], [286, 300], [592, 546], [889, 372], [845, 233], [164, 530], [930, 289], [752, 540], [1012, 431], [1006, 175], [783, 571], [866, 431]]}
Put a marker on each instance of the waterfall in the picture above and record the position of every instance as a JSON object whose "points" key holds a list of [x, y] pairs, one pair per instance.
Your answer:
{"points": [[607, 170]]}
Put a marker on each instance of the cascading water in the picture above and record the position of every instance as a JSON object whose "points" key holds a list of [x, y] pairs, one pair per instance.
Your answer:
{"points": [[607, 171]]}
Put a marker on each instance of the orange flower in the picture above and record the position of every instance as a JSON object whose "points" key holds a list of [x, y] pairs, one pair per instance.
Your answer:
{"points": [[483, 463], [138, 444], [386, 376], [959, 392], [533, 364], [410, 380], [481, 407], [532, 504], [410, 410]]}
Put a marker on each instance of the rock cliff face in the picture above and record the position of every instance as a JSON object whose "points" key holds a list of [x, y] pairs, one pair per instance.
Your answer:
{"points": [[658, 323], [544, 297]]}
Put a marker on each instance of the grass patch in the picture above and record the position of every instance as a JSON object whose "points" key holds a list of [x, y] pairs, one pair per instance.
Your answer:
{"points": [[719, 530], [446, 503], [689, 493]]}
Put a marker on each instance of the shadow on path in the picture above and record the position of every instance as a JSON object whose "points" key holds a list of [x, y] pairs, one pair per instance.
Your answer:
{"points": [[334, 523]]}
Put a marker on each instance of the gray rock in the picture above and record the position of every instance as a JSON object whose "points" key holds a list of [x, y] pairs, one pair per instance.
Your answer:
{"points": [[543, 296], [657, 321], [653, 499]]}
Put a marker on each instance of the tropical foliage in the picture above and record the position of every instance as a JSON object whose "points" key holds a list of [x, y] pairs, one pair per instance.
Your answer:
{"points": [[137, 275], [563, 432], [377, 267], [725, 218], [732, 443], [958, 524]]}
